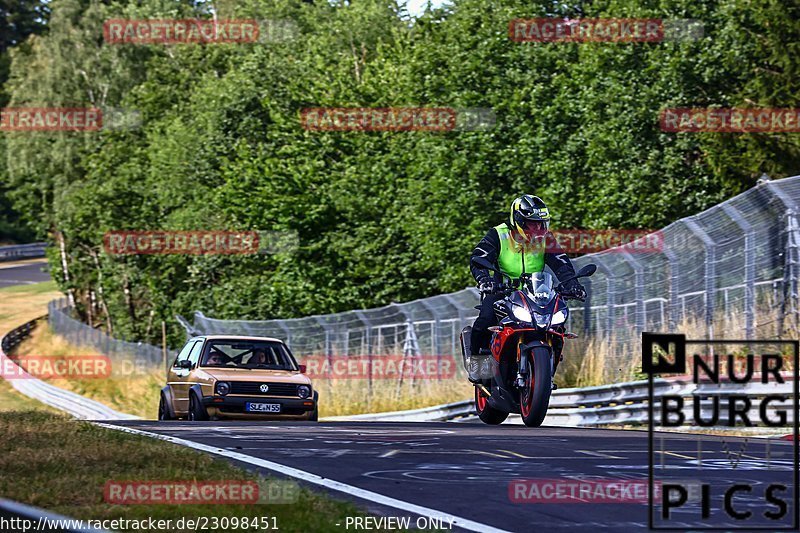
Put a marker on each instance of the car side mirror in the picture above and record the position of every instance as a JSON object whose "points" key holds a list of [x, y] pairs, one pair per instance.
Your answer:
{"points": [[303, 368], [185, 363]]}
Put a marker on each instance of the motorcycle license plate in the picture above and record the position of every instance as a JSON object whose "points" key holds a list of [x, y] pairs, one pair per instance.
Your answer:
{"points": [[262, 407]]}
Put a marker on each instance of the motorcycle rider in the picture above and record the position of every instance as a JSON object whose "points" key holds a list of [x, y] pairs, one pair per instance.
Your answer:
{"points": [[523, 244]]}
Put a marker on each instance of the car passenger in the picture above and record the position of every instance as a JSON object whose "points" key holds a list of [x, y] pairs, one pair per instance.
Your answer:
{"points": [[259, 357], [215, 359]]}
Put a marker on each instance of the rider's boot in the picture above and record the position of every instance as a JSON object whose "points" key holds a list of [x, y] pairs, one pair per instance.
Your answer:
{"points": [[479, 370]]}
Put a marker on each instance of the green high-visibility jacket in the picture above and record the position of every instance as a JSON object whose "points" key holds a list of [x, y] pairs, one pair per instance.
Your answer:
{"points": [[512, 261]]}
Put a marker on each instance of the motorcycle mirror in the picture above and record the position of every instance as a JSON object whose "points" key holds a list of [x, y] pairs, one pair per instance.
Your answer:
{"points": [[587, 271]]}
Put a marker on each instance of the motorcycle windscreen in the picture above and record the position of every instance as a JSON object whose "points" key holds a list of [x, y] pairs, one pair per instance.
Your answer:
{"points": [[540, 289]]}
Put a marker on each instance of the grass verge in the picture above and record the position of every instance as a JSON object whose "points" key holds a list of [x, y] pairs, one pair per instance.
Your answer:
{"points": [[19, 304], [52, 462]]}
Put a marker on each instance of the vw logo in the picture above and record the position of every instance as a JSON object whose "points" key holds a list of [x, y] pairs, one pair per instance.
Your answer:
{"points": [[264, 387]]}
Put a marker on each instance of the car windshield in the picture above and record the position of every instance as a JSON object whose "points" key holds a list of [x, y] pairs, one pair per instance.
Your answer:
{"points": [[270, 355], [540, 288]]}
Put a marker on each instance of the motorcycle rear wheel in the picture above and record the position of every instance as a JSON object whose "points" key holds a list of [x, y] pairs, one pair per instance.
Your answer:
{"points": [[487, 414], [535, 396]]}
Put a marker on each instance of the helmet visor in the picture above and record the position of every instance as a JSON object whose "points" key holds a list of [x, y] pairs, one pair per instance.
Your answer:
{"points": [[534, 227]]}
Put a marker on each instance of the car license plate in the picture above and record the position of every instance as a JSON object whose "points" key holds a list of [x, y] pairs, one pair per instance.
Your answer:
{"points": [[262, 407]]}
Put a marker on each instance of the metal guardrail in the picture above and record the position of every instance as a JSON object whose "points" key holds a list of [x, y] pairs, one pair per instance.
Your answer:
{"points": [[616, 404], [12, 339], [22, 251], [63, 400]]}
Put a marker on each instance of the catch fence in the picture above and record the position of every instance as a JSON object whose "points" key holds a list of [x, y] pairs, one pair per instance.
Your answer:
{"points": [[728, 272]]}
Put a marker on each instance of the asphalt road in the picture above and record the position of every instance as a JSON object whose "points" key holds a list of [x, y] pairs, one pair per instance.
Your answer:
{"points": [[24, 274], [466, 469]]}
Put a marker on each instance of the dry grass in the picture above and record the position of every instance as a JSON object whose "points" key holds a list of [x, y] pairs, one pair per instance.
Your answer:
{"points": [[597, 361], [136, 394], [21, 303], [350, 397], [587, 362], [62, 465], [18, 305]]}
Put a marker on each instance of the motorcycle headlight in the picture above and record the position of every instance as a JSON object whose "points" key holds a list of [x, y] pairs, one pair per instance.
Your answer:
{"points": [[222, 388], [304, 391], [522, 314], [559, 318]]}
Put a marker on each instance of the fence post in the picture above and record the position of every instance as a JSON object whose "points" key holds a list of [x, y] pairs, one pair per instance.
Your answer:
{"points": [[367, 332], [327, 347], [790, 272], [674, 282], [710, 271], [749, 267], [791, 258], [164, 344], [638, 272], [610, 296], [587, 307], [286, 331]]}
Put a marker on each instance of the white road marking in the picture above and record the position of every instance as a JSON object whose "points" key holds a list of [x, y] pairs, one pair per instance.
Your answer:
{"points": [[20, 265], [317, 480], [599, 454]]}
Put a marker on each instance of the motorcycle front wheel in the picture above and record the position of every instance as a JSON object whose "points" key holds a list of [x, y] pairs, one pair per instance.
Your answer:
{"points": [[487, 414], [534, 398]]}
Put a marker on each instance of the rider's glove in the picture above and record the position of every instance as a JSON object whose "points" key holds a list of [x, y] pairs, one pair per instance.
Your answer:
{"points": [[573, 289], [486, 285]]}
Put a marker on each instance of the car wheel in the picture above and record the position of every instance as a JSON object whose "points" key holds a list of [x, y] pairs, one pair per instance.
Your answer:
{"points": [[197, 412], [163, 410]]}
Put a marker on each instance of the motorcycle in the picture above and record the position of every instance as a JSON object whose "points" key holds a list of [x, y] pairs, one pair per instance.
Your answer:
{"points": [[526, 348]]}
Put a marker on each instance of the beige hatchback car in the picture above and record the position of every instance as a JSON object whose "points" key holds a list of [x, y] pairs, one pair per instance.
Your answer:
{"points": [[224, 376]]}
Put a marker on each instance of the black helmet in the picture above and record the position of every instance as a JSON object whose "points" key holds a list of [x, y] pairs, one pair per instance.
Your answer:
{"points": [[529, 217]]}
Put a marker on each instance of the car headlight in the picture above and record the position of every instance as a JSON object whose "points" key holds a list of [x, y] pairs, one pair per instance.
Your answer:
{"points": [[304, 391], [559, 318], [222, 388], [522, 314]]}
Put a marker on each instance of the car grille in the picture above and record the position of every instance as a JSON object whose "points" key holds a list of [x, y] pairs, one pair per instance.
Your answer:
{"points": [[253, 388]]}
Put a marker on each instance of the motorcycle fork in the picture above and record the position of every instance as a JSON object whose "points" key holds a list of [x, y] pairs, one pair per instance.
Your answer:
{"points": [[522, 365], [523, 362]]}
